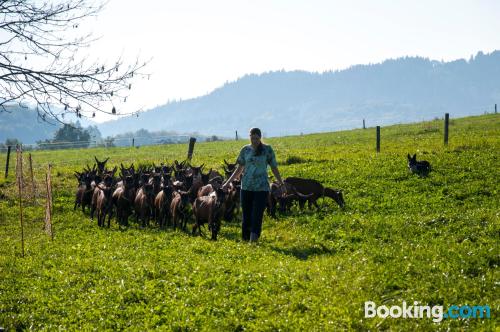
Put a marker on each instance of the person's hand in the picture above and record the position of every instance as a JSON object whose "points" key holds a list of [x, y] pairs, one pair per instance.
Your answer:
{"points": [[224, 186]]}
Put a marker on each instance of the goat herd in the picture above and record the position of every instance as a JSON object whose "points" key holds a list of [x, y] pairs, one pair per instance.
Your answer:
{"points": [[172, 194]]}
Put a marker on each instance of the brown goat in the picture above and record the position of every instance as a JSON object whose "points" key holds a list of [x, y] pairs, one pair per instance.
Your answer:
{"points": [[231, 201], [84, 193], [123, 198], [285, 196], [107, 182], [162, 206], [208, 209], [309, 186], [179, 208], [155, 180], [205, 190], [144, 203], [104, 205]]}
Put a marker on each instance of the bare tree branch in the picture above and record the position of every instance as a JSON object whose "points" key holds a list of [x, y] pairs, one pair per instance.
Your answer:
{"points": [[33, 32]]}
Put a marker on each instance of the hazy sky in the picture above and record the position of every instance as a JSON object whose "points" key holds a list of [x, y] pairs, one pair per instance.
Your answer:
{"points": [[196, 46]]}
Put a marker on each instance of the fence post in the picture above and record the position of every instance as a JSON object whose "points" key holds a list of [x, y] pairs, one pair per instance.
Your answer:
{"points": [[446, 124], [192, 141], [236, 135], [32, 178], [378, 138], [48, 206], [19, 167], [364, 127], [133, 142], [7, 162], [495, 108]]}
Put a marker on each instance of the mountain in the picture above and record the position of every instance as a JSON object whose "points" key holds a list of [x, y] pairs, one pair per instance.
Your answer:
{"points": [[394, 91], [24, 124]]}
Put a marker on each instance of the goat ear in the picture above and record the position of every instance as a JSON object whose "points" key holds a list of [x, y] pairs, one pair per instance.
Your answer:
{"points": [[415, 156], [408, 155], [225, 162]]}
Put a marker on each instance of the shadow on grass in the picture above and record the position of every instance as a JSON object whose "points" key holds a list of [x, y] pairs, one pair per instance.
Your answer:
{"points": [[306, 252]]}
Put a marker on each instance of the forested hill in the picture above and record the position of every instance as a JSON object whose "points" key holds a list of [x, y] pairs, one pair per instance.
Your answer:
{"points": [[401, 90], [282, 103], [24, 124]]}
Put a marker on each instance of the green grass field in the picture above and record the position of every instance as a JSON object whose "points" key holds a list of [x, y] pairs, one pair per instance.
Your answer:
{"points": [[434, 240]]}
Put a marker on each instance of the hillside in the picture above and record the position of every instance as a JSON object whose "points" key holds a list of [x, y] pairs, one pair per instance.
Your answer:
{"points": [[282, 103], [400, 238], [24, 124]]}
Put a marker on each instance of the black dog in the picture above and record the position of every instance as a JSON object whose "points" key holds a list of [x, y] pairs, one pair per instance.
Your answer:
{"points": [[421, 168]]}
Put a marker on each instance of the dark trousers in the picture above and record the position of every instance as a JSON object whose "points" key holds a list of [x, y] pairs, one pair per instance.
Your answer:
{"points": [[253, 204]]}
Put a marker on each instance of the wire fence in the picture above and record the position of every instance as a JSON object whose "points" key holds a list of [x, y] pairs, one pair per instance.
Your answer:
{"points": [[136, 141], [106, 143]]}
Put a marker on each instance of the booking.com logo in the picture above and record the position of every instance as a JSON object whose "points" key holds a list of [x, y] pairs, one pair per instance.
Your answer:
{"points": [[437, 312]]}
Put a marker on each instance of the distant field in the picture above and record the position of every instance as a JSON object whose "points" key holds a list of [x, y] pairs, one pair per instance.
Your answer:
{"points": [[434, 240]]}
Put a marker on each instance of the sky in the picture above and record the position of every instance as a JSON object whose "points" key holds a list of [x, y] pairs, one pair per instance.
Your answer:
{"points": [[196, 46]]}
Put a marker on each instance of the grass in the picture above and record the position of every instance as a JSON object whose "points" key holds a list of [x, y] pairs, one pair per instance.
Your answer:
{"points": [[400, 238]]}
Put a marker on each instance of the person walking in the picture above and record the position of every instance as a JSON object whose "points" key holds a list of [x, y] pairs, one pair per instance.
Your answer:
{"points": [[252, 161]]}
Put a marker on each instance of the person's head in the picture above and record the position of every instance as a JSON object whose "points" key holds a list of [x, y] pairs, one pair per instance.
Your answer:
{"points": [[255, 136], [256, 140]]}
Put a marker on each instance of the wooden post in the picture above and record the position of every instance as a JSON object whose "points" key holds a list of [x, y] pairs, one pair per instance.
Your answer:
{"points": [[133, 142], [495, 108], [364, 127], [20, 187], [236, 135], [446, 124], [378, 138], [192, 141], [48, 207], [33, 192], [7, 162]]}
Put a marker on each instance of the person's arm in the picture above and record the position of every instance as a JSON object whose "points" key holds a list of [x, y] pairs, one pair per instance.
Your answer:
{"points": [[274, 166], [239, 169], [277, 175]]}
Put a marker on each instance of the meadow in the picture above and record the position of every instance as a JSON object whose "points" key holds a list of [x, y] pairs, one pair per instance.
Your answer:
{"points": [[401, 237]]}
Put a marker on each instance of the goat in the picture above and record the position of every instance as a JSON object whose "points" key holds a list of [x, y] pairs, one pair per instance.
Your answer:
{"points": [[214, 174], [95, 192], [155, 180], [104, 205], [205, 190], [231, 201], [209, 209], [162, 205], [84, 193], [101, 165], [123, 197], [309, 186], [284, 196], [179, 208], [144, 203]]}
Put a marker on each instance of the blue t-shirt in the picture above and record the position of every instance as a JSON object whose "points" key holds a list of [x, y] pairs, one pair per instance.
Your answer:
{"points": [[255, 173]]}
